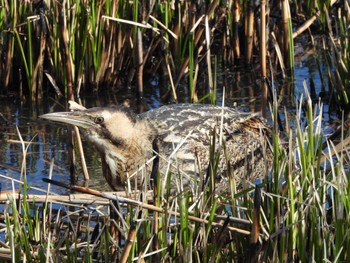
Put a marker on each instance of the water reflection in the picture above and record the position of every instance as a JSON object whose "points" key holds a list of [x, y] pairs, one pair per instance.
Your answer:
{"points": [[42, 143]]}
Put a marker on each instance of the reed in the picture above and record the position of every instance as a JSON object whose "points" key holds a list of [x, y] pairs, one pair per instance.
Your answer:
{"points": [[249, 32], [337, 58], [288, 36]]}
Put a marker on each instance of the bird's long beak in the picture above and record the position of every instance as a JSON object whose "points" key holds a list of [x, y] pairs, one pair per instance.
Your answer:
{"points": [[77, 118]]}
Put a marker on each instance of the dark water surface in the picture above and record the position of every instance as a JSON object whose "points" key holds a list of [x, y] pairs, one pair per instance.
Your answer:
{"points": [[48, 141]]}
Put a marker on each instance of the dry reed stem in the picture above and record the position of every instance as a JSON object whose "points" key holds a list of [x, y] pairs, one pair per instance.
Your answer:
{"points": [[75, 106], [263, 56], [256, 215], [163, 26], [305, 26], [337, 149], [139, 204], [54, 84], [249, 34], [236, 19], [128, 244], [279, 54], [140, 63], [81, 152]]}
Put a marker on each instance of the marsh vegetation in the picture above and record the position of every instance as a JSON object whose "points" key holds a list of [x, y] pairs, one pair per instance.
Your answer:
{"points": [[70, 49]]}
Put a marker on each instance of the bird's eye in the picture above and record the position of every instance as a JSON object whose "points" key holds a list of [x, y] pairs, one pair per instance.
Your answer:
{"points": [[98, 120]]}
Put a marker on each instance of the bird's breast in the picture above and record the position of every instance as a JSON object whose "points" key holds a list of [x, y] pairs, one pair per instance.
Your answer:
{"points": [[121, 164]]}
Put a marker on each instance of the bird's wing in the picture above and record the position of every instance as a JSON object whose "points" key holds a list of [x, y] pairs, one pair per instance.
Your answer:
{"points": [[185, 136]]}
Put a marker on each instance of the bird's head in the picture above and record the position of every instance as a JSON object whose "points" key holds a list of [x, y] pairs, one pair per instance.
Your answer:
{"points": [[116, 124], [123, 139]]}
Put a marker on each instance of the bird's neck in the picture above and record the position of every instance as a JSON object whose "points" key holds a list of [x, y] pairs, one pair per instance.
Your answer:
{"points": [[121, 161]]}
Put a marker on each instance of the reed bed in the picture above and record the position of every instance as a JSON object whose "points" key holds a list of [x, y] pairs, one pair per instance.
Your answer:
{"points": [[72, 47]]}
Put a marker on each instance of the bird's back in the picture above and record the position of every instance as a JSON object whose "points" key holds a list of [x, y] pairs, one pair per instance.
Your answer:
{"points": [[185, 135]]}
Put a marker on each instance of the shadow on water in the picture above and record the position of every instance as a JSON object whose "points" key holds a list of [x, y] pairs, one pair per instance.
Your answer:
{"points": [[48, 141]]}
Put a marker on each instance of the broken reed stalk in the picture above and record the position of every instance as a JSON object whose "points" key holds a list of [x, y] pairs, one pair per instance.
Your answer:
{"points": [[305, 26], [279, 54], [138, 204]]}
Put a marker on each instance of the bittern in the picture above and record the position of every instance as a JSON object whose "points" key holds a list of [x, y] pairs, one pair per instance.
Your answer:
{"points": [[183, 135]]}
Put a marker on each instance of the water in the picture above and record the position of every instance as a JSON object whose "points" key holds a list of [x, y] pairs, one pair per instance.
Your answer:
{"points": [[47, 142]]}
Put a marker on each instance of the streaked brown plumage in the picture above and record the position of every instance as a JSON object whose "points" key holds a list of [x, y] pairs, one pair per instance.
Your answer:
{"points": [[182, 134]]}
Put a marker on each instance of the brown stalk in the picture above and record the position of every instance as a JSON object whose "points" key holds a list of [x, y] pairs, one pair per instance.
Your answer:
{"points": [[71, 198], [128, 244], [79, 199], [254, 235], [249, 34], [263, 56], [7, 68], [279, 54], [38, 71], [106, 55], [67, 57], [236, 19], [140, 64], [208, 54], [305, 26], [82, 155], [69, 78], [8, 60], [168, 72], [75, 106]]}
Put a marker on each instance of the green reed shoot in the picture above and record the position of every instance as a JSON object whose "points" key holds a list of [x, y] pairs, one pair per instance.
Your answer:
{"points": [[290, 47]]}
